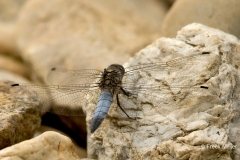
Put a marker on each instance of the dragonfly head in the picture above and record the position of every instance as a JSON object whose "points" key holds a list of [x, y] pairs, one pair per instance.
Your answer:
{"points": [[116, 67], [112, 77]]}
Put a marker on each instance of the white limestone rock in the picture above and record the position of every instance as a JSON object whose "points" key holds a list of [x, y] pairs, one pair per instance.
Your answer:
{"points": [[81, 152], [195, 123], [48, 146]]}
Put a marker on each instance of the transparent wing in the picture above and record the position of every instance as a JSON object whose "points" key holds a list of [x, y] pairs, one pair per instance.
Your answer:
{"points": [[65, 76], [156, 84], [64, 100], [159, 90], [160, 70], [163, 98]]}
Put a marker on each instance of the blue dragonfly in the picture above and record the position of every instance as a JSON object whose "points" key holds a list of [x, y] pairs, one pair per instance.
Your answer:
{"points": [[74, 87]]}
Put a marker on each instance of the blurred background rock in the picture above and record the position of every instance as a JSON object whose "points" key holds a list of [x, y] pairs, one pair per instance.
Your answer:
{"points": [[75, 34]]}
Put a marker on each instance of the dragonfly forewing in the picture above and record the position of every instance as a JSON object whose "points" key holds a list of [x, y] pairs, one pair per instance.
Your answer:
{"points": [[158, 91], [163, 70], [64, 76]]}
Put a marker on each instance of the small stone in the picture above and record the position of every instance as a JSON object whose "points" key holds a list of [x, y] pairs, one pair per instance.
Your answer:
{"points": [[81, 152], [196, 125], [49, 145]]}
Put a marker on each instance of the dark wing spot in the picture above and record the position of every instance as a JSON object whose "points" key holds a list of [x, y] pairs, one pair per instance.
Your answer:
{"points": [[205, 87], [205, 52]]}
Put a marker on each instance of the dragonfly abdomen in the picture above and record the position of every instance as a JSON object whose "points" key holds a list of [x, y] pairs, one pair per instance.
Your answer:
{"points": [[103, 105]]}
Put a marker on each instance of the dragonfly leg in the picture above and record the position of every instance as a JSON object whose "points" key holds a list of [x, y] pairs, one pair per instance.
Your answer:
{"points": [[118, 103], [125, 92]]}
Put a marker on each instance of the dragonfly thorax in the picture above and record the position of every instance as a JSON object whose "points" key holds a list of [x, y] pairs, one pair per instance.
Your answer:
{"points": [[112, 77]]}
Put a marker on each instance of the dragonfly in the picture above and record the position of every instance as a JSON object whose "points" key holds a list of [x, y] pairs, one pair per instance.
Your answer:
{"points": [[71, 92]]}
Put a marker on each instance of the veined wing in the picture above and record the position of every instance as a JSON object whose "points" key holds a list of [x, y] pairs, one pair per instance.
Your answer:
{"points": [[135, 89], [163, 98], [65, 76], [172, 64], [64, 100], [164, 69], [162, 94]]}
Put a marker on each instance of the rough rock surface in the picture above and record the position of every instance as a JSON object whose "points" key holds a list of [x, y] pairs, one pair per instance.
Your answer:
{"points": [[47, 146], [18, 121], [85, 34], [219, 14], [179, 123]]}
